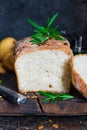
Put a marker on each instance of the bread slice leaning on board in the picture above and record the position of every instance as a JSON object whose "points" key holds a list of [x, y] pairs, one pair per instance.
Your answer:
{"points": [[45, 67], [79, 73]]}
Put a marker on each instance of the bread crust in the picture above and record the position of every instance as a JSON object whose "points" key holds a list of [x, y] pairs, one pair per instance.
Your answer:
{"points": [[77, 81], [25, 46], [24, 92]]}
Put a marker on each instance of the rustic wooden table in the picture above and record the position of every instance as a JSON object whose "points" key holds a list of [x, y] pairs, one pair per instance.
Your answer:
{"points": [[43, 123], [49, 117]]}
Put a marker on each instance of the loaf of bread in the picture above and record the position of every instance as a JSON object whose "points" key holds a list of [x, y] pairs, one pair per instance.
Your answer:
{"points": [[79, 73], [43, 68]]}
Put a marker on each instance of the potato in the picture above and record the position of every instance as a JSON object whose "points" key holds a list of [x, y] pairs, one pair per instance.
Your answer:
{"points": [[2, 70], [8, 61], [6, 45]]}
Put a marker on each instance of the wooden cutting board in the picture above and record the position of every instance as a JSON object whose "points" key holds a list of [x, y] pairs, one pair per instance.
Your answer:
{"points": [[35, 106]]}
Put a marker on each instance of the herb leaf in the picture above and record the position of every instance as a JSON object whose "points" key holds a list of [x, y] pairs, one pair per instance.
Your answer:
{"points": [[44, 33], [53, 96], [50, 21], [40, 28], [1, 83]]}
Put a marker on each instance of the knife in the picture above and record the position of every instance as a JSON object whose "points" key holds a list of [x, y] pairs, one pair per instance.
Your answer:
{"points": [[11, 95]]}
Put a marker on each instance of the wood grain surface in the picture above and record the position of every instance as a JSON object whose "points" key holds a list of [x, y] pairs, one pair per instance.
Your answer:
{"points": [[35, 105], [48, 123]]}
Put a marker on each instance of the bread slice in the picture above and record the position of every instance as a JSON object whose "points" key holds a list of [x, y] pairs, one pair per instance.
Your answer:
{"points": [[45, 67], [79, 73]]}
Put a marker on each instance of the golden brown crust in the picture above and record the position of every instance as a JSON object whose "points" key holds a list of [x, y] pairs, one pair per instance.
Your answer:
{"points": [[77, 81], [25, 46], [58, 42]]}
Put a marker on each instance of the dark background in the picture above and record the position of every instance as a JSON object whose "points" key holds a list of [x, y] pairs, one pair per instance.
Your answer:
{"points": [[13, 22], [14, 14]]}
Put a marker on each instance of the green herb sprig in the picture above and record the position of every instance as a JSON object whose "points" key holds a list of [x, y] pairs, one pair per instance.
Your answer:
{"points": [[43, 33], [53, 96], [1, 83]]}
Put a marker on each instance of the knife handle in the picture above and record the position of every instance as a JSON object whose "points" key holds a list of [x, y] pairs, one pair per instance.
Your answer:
{"points": [[11, 95]]}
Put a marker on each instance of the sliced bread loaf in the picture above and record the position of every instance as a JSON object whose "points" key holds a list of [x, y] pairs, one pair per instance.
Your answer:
{"points": [[79, 73], [45, 67]]}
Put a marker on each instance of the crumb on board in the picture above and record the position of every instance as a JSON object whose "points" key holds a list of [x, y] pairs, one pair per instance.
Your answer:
{"points": [[56, 126], [34, 96], [25, 93], [40, 127], [50, 120], [31, 96], [1, 98], [28, 97]]}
